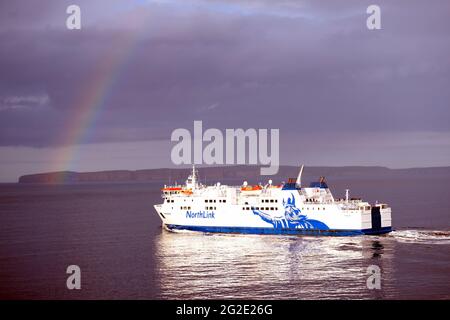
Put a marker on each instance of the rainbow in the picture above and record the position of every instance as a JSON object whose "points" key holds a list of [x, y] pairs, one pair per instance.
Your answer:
{"points": [[94, 95]]}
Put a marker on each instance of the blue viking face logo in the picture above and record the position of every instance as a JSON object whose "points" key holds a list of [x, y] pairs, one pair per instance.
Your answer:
{"points": [[292, 219], [291, 212]]}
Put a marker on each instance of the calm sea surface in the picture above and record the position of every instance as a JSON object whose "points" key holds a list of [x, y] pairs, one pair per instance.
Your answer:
{"points": [[113, 233]]}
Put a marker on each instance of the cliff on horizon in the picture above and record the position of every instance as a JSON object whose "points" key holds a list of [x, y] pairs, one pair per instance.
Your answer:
{"points": [[210, 174]]}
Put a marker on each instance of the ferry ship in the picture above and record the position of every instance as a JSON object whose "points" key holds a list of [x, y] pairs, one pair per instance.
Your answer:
{"points": [[289, 208]]}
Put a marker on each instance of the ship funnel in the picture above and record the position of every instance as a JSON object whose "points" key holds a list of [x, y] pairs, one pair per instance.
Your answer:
{"points": [[299, 177]]}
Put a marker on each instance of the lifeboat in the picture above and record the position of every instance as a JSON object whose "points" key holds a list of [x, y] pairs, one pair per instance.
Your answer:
{"points": [[251, 190], [171, 190], [187, 191]]}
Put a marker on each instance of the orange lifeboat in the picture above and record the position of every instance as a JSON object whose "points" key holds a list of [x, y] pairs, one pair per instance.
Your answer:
{"points": [[187, 191], [251, 190], [178, 189]]}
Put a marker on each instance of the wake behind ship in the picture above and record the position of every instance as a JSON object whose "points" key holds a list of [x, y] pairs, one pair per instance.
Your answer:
{"points": [[288, 208]]}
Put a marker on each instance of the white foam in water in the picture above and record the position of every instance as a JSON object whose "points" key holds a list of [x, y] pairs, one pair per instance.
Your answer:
{"points": [[422, 236]]}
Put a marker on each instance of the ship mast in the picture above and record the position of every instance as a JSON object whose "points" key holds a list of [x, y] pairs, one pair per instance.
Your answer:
{"points": [[299, 177], [194, 177]]}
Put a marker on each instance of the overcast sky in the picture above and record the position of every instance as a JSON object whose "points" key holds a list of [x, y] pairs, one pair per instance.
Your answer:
{"points": [[339, 93]]}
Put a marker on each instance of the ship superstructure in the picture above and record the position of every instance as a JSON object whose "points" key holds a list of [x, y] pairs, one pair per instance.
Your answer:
{"points": [[288, 208]]}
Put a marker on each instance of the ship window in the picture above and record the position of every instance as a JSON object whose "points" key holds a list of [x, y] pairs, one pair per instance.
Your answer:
{"points": [[253, 208], [276, 200], [246, 203], [214, 200], [267, 208], [206, 200], [224, 201], [271, 200]]}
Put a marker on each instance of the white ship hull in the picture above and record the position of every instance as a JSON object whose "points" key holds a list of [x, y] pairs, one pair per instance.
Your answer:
{"points": [[290, 209]]}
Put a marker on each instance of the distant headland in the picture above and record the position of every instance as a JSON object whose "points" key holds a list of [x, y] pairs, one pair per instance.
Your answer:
{"points": [[210, 174]]}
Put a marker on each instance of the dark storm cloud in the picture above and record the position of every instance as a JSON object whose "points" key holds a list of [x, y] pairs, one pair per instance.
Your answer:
{"points": [[303, 66]]}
